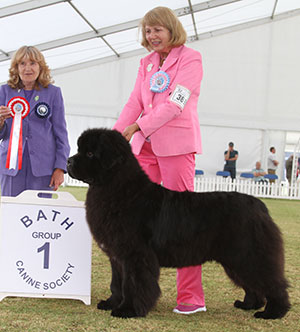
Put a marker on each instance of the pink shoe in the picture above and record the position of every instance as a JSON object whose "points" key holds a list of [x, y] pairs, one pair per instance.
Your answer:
{"points": [[188, 309]]}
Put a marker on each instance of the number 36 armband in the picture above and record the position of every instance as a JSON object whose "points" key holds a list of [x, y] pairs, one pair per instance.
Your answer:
{"points": [[180, 96]]}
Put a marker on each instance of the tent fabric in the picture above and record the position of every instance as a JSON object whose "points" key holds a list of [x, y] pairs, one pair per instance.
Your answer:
{"points": [[250, 49]]}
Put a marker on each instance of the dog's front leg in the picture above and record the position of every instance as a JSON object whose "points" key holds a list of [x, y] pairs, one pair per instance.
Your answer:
{"points": [[140, 285], [115, 286]]}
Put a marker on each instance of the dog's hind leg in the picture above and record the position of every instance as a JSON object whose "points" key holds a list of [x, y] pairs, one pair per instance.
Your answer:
{"points": [[116, 288], [277, 305], [273, 290], [252, 299], [140, 287]]}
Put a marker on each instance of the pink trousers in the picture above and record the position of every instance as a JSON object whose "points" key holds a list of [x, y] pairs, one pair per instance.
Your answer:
{"points": [[176, 173]]}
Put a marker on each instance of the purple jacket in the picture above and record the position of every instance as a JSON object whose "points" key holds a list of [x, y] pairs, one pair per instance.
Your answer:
{"points": [[46, 136]]}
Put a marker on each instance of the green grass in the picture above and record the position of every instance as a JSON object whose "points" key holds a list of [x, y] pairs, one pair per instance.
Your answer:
{"points": [[45, 315]]}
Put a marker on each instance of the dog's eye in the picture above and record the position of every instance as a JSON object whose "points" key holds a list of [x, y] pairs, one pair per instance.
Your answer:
{"points": [[90, 155]]}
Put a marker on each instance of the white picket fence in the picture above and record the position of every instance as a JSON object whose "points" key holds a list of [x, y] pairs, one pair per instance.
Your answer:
{"points": [[278, 189]]}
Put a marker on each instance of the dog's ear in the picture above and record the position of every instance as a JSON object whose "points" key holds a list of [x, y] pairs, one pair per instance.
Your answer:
{"points": [[108, 152], [110, 160]]}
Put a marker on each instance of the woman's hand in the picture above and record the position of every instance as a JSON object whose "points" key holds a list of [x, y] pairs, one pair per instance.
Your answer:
{"points": [[130, 130], [4, 114], [57, 178]]}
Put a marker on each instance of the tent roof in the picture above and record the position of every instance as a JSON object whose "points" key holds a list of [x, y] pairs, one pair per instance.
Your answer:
{"points": [[77, 31]]}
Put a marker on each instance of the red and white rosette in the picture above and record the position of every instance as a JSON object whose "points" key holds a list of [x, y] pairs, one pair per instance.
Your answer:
{"points": [[19, 109]]}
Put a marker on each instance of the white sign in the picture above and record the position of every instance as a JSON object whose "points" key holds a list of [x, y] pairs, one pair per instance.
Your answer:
{"points": [[45, 247], [180, 96]]}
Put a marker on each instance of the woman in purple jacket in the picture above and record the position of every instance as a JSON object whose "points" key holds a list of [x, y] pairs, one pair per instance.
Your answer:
{"points": [[37, 158]]}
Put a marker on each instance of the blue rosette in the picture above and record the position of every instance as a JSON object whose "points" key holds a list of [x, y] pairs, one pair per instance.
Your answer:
{"points": [[159, 82], [42, 110]]}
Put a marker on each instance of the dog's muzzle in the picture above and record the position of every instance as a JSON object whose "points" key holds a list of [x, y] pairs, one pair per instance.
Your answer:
{"points": [[70, 165]]}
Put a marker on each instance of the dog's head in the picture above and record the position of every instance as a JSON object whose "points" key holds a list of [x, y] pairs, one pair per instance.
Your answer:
{"points": [[100, 153]]}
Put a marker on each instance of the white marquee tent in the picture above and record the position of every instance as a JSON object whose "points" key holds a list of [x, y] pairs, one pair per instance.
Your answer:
{"points": [[250, 49]]}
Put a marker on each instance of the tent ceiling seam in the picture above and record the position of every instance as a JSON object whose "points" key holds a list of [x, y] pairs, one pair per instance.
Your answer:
{"points": [[193, 19], [274, 9], [27, 6], [92, 27]]}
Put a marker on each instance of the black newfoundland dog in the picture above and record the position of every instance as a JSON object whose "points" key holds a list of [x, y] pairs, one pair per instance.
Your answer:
{"points": [[142, 226]]}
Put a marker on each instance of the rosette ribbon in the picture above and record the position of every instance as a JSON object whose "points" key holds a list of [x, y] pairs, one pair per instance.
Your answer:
{"points": [[159, 81], [19, 109]]}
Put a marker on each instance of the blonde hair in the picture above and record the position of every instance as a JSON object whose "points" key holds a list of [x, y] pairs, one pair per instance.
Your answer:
{"points": [[33, 54], [163, 16]]}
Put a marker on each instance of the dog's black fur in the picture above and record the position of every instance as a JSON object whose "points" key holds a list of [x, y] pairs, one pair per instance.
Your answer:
{"points": [[142, 226]]}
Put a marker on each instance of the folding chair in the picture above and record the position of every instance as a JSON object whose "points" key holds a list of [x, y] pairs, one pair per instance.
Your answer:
{"points": [[271, 176], [225, 174], [199, 172], [247, 175]]}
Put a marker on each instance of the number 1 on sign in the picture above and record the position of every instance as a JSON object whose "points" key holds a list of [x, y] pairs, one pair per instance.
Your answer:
{"points": [[46, 249]]}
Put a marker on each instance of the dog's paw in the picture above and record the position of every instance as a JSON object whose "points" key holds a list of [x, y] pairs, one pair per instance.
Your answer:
{"points": [[268, 315], [241, 305], [124, 313], [104, 305], [248, 306], [264, 315]]}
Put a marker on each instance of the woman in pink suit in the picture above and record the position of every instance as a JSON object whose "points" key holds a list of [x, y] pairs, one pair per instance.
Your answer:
{"points": [[161, 119]]}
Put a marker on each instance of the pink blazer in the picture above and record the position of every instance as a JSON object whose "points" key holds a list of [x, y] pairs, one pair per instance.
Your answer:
{"points": [[169, 119]]}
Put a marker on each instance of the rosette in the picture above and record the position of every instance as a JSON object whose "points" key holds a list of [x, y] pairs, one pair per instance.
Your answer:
{"points": [[42, 110], [19, 109], [159, 81]]}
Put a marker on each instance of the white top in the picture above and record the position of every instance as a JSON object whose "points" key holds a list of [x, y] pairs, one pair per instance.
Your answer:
{"points": [[271, 159]]}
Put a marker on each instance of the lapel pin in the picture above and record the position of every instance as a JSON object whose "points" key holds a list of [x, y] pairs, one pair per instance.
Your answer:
{"points": [[149, 67]]}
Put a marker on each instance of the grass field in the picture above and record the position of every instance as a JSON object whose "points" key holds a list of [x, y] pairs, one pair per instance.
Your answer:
{"points": [[45, 315]]}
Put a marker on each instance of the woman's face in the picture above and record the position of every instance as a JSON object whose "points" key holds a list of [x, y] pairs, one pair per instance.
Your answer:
{"points": [[28, 71], [158, 38]]}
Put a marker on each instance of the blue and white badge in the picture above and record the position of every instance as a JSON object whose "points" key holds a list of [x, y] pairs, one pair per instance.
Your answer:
{"points": [[159, 81], [42, 110]]}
